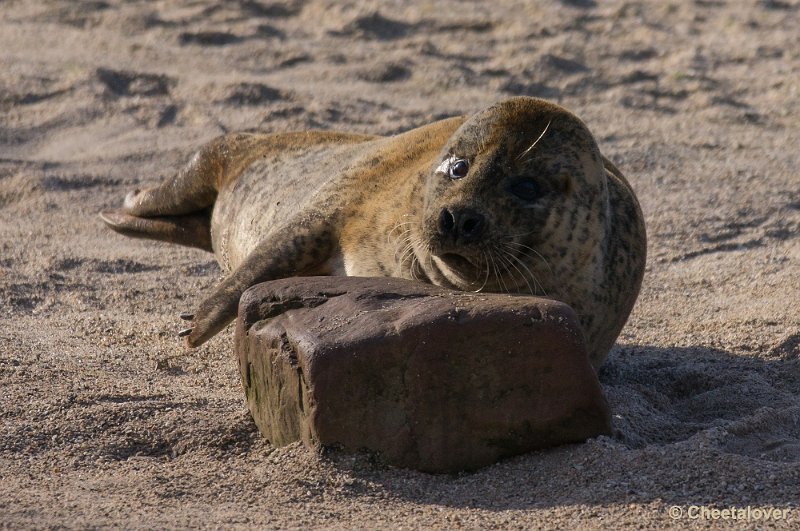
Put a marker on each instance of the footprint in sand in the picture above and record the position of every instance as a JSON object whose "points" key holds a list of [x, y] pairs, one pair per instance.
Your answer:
{"points": [[127, 83]]}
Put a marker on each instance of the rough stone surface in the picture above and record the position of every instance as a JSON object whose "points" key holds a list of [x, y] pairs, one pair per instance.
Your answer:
{"points": [[429, 378]]}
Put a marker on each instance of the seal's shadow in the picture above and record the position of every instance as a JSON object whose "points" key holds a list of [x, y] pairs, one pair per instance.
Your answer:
{"points": [[690, 424]]}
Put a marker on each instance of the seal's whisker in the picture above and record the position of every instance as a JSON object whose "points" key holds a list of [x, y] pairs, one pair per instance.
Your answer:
{"points": [[429, 252], [403, 248], [532, 276], [500, 283], [486, 279], [490, 270], [426, 251], [406, 253], [417, 248], [502, 257], [510, 276], [413, 242], [534, 142], [537, 253], [532, 284], [504, 263], [404, 236], [397, 226], [506, 255]]}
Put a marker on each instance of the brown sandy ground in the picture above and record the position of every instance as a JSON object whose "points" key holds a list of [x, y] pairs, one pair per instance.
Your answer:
{"points": [[108, 422]]}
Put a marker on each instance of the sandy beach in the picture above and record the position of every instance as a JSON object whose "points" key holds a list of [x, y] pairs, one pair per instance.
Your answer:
{"points": [[107, 421]]}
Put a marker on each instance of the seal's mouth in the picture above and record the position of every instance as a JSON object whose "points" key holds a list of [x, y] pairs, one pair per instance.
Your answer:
{"points": [[462, 271], [457, 262]]}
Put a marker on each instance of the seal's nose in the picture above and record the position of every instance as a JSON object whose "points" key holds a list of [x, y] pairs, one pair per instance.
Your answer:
{"points": [[464, 225]]}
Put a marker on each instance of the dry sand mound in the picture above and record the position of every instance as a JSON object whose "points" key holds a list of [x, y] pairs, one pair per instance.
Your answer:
{"points": [[106, 420]]}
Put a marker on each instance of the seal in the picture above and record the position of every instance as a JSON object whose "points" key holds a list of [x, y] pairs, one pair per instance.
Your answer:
{"points": [[516, 198]]}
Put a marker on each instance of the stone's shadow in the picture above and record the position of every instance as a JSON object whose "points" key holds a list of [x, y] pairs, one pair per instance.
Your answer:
{"points": [[667, 395], [692, 426]]}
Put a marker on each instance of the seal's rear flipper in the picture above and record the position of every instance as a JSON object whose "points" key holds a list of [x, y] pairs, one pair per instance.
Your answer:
{"points": [[192, 230]]}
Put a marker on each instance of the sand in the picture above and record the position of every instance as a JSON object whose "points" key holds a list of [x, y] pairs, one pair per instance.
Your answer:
{"points": [[108, 422]]}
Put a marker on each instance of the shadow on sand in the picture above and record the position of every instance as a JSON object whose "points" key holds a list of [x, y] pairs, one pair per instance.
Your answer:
{"points": [[692, 425]]}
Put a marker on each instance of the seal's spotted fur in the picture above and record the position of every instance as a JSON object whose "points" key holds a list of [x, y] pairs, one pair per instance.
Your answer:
{"points": [[516, 198]]}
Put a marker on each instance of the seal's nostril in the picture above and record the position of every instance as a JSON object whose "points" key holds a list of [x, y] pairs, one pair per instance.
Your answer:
{"points": [[464, 225], [446, 221], [471, 225]]}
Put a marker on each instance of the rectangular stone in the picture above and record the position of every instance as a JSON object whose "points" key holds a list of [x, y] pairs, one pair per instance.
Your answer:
{"points": [[429, 378]]}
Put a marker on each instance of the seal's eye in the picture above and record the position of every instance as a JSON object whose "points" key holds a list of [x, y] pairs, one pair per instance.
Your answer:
{"points": [[459, 169], [525, 189]]}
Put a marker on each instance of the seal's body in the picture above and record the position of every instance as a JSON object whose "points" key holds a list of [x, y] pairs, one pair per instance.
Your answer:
{"points": [[516, 198]]}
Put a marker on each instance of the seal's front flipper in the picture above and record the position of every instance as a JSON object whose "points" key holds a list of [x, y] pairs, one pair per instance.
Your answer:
{"points": [[215, 312], [290, 253], [193, 230]]}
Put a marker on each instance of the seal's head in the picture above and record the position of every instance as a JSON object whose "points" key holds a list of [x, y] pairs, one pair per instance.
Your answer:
{"points": [[516, 202]]}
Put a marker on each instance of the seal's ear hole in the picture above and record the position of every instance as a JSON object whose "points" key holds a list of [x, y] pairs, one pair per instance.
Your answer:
{"points": [[565, 184]]}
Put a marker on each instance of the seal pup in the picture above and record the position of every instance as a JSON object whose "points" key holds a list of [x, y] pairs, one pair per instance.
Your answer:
{"points": [[516, 198]]}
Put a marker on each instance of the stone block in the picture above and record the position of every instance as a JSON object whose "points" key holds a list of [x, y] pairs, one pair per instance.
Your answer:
{"points": [[429, 378]]}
